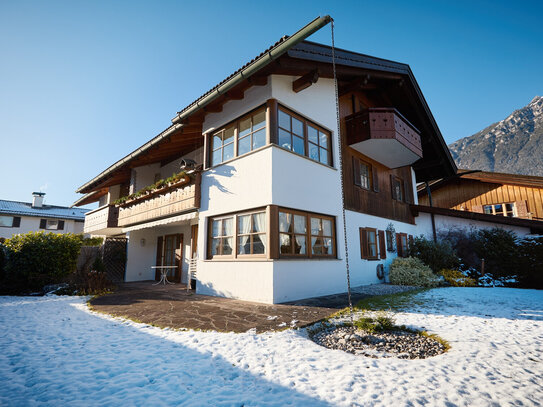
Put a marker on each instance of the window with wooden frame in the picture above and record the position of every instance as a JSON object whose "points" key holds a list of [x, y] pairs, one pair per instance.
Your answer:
{"points": [[303, 234], [506, 209], [397, 186], [221, 237], [247, 133], [303, 137], [322, 236], [51, 224], [365, 175], [239, 235], [251, 232], [222, 145], [372, 244], [251, 132], [401, 244], [10, 221]]}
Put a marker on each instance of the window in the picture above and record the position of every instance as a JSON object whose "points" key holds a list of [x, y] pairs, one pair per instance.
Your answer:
{"points": [[222, 145], [292, 233], [252, 132], [249, 238], [306, 235], [321, 236], [401, 243], [318, 145], [51, 224], [222, 237], [252, 236], [372, 244], [303, 137], [506, 209], [397, 189], [10, 221], [249, 132], [365, 175], [391, 247]]}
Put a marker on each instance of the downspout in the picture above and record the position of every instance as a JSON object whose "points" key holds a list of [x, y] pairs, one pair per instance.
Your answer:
{"points": [[258, 64], [429, 192]]}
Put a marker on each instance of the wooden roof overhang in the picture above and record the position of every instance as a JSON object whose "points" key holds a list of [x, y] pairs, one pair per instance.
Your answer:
{"points": [[500, 178], [391, 82]]}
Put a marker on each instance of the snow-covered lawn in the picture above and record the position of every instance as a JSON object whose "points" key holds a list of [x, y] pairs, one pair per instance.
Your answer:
{"points": [[54, 351]]}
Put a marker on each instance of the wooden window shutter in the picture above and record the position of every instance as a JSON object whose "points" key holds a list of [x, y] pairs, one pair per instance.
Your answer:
{"points": [[410, 240], [356, 171], [477, 208], [382, 245], [399, 247], [363, 243], [16, 222], [392, 191], [60, 225], [406, 192], [375, 180], [522, 209], [43, 223]]}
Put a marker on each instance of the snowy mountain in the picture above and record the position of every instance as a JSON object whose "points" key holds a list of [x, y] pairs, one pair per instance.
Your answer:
{"points": [[513, 145]]}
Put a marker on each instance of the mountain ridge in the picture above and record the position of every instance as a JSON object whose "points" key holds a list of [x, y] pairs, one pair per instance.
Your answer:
{"points": [[512, 145]]}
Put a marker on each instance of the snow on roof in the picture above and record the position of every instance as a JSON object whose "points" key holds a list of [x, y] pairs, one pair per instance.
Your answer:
{"points": [[45, 211]]}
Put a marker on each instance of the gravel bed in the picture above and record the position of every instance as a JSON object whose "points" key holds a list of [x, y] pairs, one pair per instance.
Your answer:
{"points": [[399, 344]]}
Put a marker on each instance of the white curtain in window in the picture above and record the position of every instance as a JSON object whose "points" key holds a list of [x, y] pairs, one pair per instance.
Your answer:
{"points": [[299, 224], [245, 229], [260, 226]]}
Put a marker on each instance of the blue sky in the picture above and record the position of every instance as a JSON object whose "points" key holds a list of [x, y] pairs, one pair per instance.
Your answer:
{"points": [[84, 83]]}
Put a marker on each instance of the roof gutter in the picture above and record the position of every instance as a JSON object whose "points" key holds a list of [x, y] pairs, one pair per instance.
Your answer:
{"points": [[166, 133], [258, 64]]}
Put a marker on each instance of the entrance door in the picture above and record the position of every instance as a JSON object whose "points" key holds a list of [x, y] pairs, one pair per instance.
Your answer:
{"points": [[170, 253]]}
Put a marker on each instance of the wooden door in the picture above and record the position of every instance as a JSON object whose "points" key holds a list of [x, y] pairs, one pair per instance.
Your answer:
{"points": [[170, 253]]}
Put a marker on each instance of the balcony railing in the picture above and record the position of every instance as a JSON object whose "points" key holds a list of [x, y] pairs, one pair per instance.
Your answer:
{"points": [[169, 201], [102, 221], [384, 135]]}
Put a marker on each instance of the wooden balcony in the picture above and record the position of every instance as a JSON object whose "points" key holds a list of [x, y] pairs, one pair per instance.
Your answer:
{"points": [[384, 135], [169, 201], [102, 221]]}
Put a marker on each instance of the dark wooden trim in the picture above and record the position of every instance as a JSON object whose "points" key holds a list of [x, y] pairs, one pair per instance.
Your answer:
{"points": [[305, 81], [16, 222], [272, 120], [382, 245], [274, 232]]}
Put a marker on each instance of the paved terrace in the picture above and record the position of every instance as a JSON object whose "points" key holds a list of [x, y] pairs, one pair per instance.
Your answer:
{"points": [[172, 306]]}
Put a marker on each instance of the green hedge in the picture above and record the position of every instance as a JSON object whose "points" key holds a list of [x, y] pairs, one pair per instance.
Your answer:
{"points": [[35, 259], [436, 255]]}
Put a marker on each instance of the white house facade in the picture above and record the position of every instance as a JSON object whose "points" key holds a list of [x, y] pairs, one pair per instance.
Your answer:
{"points": [[23, 217], [259, 200]]}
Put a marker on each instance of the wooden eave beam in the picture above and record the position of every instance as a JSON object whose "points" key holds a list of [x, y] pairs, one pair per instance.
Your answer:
{"points": [[305, 81]]}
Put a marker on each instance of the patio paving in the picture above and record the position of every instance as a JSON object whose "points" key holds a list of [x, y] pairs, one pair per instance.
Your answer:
{"points": [[172, 306]]}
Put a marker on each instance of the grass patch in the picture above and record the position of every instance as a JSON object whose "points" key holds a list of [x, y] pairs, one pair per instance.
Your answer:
{"points": [[396, 302]]}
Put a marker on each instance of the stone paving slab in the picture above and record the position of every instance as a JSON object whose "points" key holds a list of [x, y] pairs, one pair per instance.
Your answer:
{"points": [[172, 306]]}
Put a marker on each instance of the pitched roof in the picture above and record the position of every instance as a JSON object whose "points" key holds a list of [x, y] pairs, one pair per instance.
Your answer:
{"points": [[486, 176], [46, 211]]}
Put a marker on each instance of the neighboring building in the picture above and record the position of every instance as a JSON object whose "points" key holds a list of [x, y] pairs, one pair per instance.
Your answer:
{"points": [[492, 193], [262, 209], [23, 217]]}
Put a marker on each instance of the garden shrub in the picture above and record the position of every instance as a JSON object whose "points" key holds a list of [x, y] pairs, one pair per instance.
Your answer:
{"points": [[35, 259], [376, 322], [411, 271], [457, 278], [2, 260], [530, 269], [436, 255]]}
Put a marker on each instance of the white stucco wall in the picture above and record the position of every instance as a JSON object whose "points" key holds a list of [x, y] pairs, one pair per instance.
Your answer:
{"points": [[32, 224], [424, 225]]}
